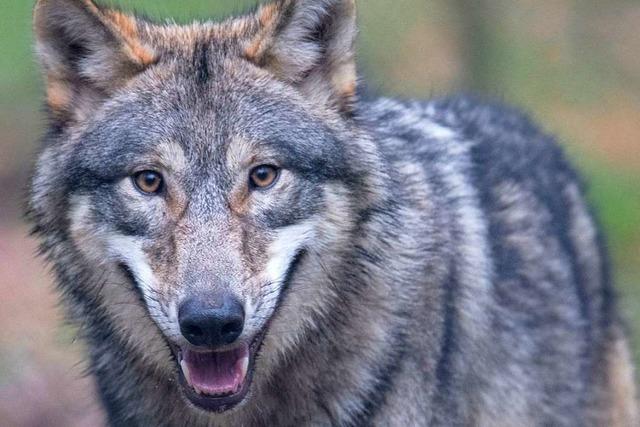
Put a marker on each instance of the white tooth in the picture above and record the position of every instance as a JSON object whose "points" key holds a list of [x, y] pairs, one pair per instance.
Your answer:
{"points": [[185, 371], [244, 366]]}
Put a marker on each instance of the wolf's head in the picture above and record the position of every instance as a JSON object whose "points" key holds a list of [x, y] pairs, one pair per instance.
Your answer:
{"points": [[196, 181]]}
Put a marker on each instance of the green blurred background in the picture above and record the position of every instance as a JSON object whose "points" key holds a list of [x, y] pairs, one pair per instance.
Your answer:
{"points": [[573, 64]]}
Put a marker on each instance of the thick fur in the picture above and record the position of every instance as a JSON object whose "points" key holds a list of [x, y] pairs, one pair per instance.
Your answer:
{"points": [[417, 263]]}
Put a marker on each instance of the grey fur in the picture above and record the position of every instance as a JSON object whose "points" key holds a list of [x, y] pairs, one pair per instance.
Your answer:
{"points": [[451, 274]]}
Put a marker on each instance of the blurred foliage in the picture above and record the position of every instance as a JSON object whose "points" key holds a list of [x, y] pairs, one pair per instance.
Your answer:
{"points": [[574, 64]]}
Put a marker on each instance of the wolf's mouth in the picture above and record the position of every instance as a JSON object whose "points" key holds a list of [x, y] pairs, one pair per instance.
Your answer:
{"points": [[217, 381], [215, 373]]}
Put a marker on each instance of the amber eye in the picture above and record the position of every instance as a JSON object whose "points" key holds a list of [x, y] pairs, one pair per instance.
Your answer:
{"points": [[148, 182], [264, 176]]}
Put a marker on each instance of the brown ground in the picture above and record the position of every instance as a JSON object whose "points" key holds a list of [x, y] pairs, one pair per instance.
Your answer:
{"points": [[41, 376]]}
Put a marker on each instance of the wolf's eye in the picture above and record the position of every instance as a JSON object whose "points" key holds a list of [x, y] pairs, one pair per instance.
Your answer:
{"points": [[148, 182], [264, 176]]}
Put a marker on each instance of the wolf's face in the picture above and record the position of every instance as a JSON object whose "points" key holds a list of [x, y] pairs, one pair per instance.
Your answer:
{"points": [[203, 166]]}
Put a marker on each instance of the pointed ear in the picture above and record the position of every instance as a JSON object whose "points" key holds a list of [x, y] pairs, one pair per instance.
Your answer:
{"points": [[86, 54], [310, 44]]}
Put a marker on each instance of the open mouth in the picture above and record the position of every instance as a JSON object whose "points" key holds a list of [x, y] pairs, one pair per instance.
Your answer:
{"points": [[217, 381]]}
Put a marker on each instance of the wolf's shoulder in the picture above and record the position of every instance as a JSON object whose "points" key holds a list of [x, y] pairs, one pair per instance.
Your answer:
{"points": [[466, 117], [503, 138]]}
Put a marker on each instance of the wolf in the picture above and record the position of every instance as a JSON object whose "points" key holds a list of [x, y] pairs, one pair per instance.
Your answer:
{"points": [[243, 240]]}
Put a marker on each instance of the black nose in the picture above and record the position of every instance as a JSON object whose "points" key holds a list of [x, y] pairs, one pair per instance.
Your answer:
{"points": [[211, 320]]}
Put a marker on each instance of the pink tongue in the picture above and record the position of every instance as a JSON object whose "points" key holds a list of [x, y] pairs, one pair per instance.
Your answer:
{"points": [[216, 373]]}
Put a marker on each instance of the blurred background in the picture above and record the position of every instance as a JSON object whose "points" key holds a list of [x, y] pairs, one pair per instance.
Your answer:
{"points": [[572, 64]]}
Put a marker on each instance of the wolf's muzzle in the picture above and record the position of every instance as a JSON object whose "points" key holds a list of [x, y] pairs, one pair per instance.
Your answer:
{"points": [[215, 365]]}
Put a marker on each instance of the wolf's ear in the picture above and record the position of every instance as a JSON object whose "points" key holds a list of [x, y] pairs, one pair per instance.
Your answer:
{"points": [[86, 53], [310, 44]]}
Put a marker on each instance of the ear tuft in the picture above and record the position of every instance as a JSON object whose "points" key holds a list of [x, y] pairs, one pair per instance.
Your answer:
{"points": [[127, 28], [311, 45], [86, 52]]}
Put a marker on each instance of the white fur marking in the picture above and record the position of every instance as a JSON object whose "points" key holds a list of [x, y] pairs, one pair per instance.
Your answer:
{"points": [[128, 250], [285, 246], [283, 249]]}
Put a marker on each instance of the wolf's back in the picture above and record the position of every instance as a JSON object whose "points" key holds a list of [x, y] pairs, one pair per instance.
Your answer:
{"points": [[531, 316]]}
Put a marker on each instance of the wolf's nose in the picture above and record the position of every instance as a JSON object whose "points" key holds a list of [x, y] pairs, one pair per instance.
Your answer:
{"points": [[211, 320]]}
